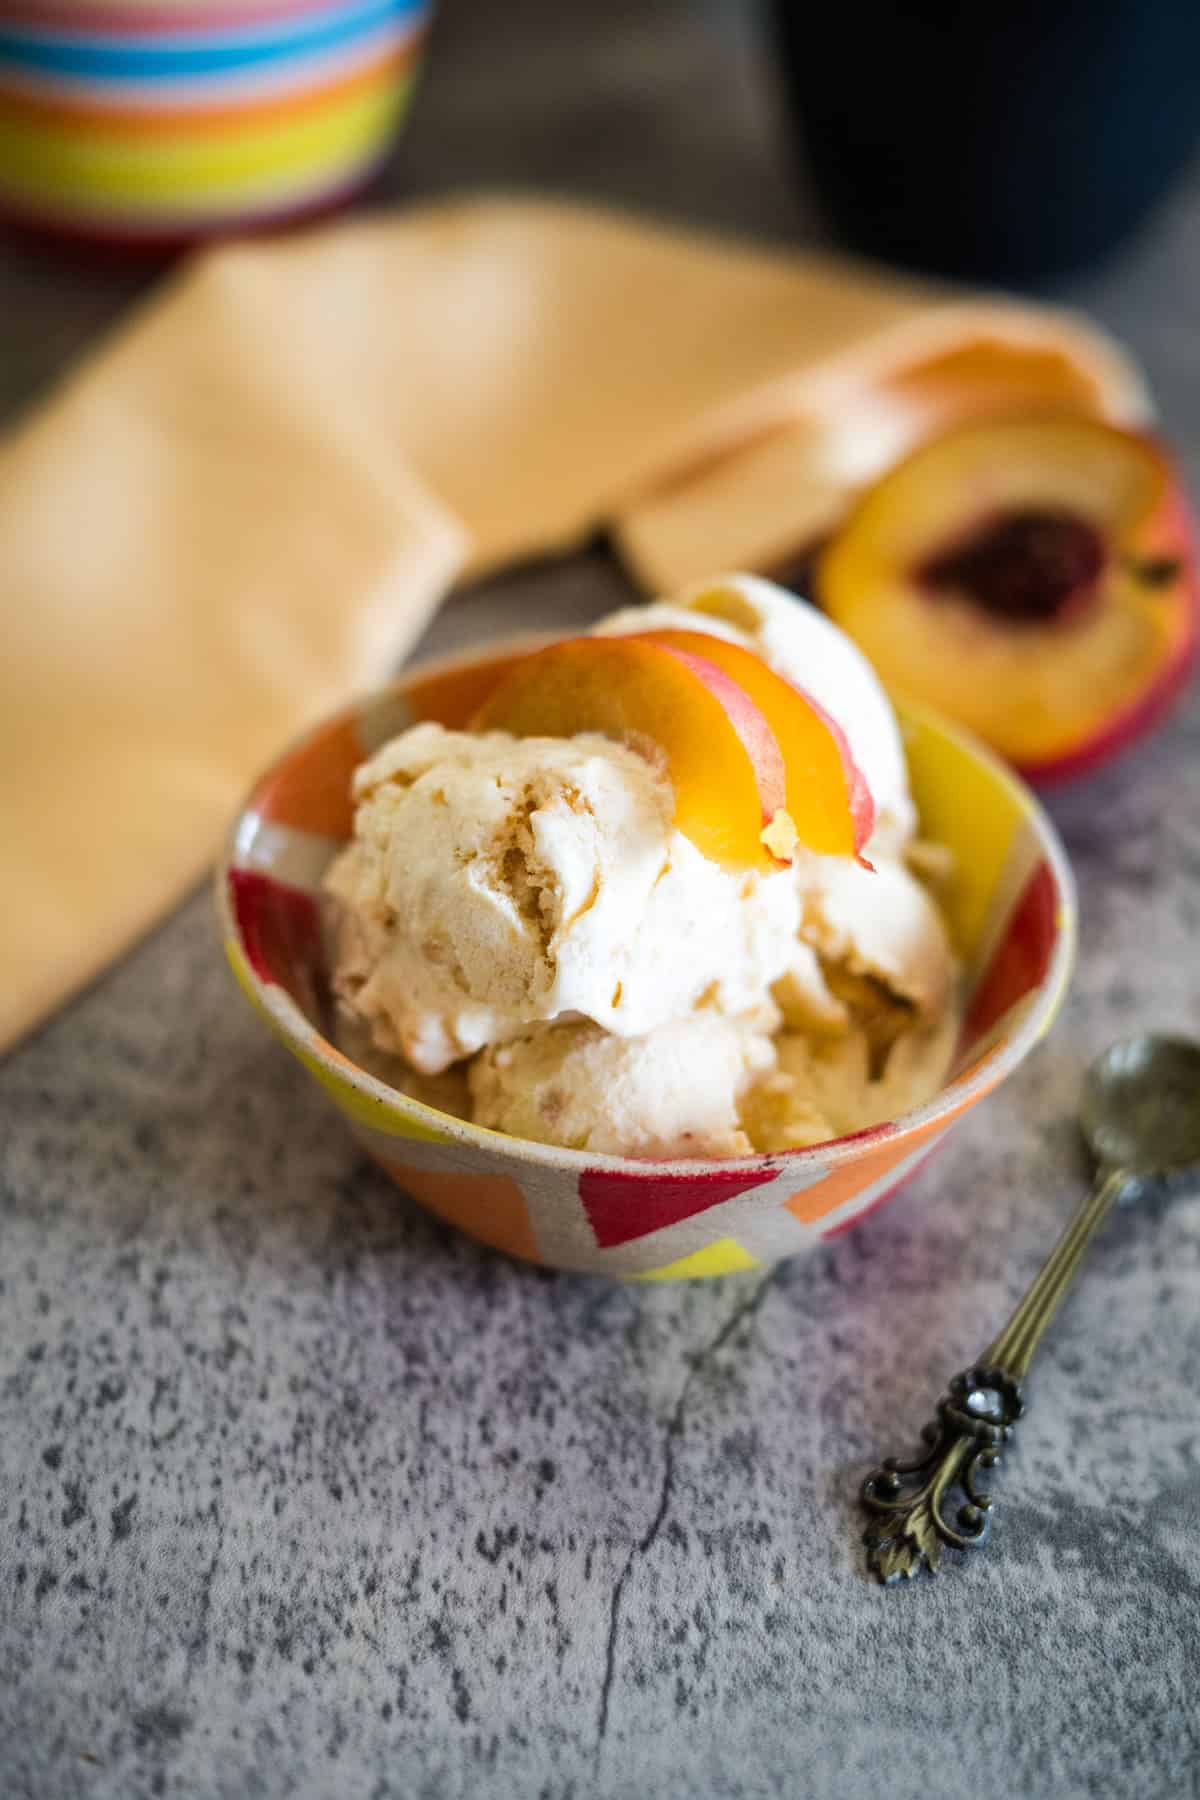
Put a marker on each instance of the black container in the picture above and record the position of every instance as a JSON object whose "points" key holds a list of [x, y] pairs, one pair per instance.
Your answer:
{"points": [[990, 139]]}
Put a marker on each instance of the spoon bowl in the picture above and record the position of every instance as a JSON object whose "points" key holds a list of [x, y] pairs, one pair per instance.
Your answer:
{"points": [[1141, 1106]]}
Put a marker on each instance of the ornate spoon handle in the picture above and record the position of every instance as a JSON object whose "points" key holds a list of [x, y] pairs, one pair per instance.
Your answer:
{"points": [[976, 1416]]}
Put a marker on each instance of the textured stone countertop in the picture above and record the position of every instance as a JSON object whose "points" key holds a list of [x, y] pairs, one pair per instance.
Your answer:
{"points": [[301, 1494]]}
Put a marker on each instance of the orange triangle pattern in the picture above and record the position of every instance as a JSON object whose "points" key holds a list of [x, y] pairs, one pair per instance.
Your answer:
{"points": [[817, 1202], [489, 1207], [310, 789]]}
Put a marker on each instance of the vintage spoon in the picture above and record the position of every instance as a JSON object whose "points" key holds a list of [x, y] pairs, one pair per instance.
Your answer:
{"points": [[1141, 1119]]}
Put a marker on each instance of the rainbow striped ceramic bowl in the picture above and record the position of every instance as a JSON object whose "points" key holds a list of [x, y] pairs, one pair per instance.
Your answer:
{"points": [[162, 121], [1012, 913]]}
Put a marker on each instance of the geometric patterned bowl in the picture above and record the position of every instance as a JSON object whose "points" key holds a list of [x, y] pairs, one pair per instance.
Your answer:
{"points": [[1012, 915]]}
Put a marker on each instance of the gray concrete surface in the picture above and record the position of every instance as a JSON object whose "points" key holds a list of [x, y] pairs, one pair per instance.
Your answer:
{"points": [[300, 1494]]}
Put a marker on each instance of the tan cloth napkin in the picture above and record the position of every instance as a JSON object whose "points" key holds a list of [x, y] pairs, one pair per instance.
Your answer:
{"points": [[250, 499]]}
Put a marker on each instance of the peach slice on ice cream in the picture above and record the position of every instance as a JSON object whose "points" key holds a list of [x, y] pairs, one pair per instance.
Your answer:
{"points": [[828, 799], [680, 711], [1033, 579]]}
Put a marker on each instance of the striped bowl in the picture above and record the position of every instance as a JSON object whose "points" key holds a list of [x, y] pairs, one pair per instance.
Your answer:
{"points": [[156, 122], [1011, 912]]}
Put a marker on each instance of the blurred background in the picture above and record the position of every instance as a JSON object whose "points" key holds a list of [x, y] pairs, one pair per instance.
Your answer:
{"points": [[677, 107]]}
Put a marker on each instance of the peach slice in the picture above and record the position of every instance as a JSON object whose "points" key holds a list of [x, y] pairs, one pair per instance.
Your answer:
{"points": [[680, 711], [1031, 578], [451, 697], [828, 799]]}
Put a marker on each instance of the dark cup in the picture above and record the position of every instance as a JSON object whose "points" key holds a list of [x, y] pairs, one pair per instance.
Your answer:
{"points": [[997, 139]]}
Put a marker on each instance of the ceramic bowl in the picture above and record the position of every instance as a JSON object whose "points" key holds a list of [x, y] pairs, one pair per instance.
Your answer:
{"points": [[157, 122], [1011, 912]]}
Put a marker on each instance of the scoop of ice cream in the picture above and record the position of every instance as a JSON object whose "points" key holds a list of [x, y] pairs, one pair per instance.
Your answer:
{"points": [[495, 881], [446, 1091], [868, 1002], [878, 923], [674, 1093], [806, 647], [827, 1087], [528, 903]]}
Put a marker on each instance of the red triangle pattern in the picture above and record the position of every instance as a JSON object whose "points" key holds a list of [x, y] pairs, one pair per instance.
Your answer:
{"points": [[1020, 960], [280, 931], [623, 1207]]}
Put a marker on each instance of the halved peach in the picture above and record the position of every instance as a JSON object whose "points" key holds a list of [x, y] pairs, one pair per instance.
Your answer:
{"points": [[678, 710], [828, 799], [1034, 579]]}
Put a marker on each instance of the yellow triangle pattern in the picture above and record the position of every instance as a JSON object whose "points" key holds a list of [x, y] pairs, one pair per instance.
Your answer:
{"points": [[720, 1258]]}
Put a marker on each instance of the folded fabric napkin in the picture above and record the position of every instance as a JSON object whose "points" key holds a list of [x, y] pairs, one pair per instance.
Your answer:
{"points": [[248, 502]]}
